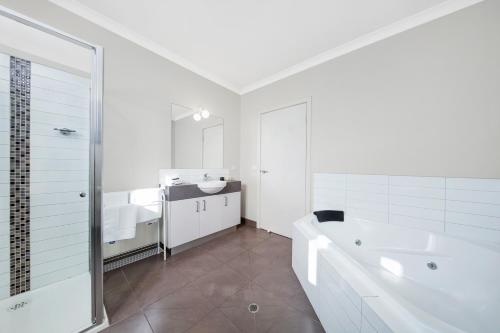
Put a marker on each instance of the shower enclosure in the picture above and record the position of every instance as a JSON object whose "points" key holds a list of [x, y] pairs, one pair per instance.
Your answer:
{"points": [[50, 179]]}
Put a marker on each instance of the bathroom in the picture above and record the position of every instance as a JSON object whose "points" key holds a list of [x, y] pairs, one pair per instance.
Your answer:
{"points": [[235, 167]]}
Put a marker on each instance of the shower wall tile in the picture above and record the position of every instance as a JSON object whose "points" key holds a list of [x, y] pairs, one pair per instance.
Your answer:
{"points": [[4, 174], [60, 172], [58, 220], [61, 77], [4, 218], [59, 242], [19, 238], [60, 274]]}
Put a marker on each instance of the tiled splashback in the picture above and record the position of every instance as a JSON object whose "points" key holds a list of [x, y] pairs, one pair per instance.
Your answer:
{"points": [[464, 207], [191, 175]]}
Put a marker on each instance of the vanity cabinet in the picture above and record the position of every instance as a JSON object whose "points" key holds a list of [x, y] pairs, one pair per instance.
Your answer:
{"points": [[184, 221], [210, 214], [190, 219], [231, 211]]}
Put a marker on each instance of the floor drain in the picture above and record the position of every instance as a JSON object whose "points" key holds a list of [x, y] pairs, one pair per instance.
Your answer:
{"points": [[253, 308]]}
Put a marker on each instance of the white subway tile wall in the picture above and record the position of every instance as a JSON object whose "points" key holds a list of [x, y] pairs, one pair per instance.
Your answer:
{"points": [[59, 172], [463, 207], [417, 202], [473, 208], [4, 175]]}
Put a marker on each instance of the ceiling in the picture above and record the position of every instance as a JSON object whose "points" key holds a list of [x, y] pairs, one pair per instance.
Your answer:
{"points": [[246, 44]]}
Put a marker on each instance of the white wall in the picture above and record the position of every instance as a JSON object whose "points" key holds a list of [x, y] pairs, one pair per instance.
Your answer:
{"points": [[139, 88], [422, 103], [25, 42]]}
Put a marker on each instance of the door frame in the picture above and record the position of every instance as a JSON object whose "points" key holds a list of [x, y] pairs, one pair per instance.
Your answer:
{"points": [[308, 102], [95, 158]]}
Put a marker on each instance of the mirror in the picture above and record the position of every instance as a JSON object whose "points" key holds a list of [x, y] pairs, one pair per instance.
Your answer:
{"points": [[197, 139]]}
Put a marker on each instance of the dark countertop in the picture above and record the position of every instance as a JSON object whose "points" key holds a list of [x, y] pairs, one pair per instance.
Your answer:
{"points": [[189, 191]]}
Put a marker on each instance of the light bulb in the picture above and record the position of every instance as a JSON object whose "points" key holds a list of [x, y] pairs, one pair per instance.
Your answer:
{"points": [[205, 114], [197, 117]]}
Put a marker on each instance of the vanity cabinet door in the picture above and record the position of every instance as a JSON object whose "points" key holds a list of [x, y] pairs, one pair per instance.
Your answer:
{"points": [[210, 214], [231, 212], [184, 224]]}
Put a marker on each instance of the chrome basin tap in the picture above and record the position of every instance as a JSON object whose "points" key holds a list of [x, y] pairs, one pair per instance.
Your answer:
{"points": [[205, 177]]}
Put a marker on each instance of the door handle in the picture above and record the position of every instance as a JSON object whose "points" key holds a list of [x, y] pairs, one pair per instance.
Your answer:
{"points": [[204, 205], [197, 206], [65, 131], [263, 171], [83, 194], [225, 201]]}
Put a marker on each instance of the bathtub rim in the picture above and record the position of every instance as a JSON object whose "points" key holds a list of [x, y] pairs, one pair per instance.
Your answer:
{"points": [[398, 314]]}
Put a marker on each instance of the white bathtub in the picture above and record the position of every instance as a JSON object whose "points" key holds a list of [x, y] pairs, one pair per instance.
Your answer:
{"points": [[385, 284]]}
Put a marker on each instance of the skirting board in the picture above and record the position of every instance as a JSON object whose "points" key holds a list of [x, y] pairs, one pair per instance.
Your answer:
{"points": [[200, 241], [248, 222]]}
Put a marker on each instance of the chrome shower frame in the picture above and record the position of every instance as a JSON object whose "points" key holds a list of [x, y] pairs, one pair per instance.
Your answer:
{"points": [[95, 167]]}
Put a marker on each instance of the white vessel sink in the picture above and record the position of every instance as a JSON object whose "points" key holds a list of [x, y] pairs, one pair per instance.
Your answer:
{"points": [[212, 186]]}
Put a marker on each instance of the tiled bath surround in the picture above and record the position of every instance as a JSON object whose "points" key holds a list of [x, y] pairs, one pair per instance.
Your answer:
{"points": [[340, 301], [20, 91], [464, 207]]}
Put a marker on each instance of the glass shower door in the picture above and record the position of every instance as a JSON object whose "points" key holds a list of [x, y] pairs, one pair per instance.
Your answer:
{"points": [[49, 192]]}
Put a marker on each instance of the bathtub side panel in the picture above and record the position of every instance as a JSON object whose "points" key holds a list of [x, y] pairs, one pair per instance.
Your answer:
{"points": [[336, 307], [370, 319], [303, 262]]}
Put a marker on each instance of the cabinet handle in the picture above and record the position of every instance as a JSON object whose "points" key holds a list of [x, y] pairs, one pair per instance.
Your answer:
{"points": [[225, 201], [204, 205], [197, 206]]}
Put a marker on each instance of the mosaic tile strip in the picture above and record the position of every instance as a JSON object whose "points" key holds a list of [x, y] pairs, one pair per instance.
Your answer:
{"points": [[20, 85]]}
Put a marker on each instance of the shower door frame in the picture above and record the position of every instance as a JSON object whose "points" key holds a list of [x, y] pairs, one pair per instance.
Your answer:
{"points": [[95, 158]]}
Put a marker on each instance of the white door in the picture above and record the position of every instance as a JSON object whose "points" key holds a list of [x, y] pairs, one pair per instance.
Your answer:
{"points": [[210, 214], [184, 224], [231, 213], [213, 147], [283, 161]]}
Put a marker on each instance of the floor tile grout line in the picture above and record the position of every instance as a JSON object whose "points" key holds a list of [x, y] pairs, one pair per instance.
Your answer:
{"points": [[147, 319], [250, 242], [228, 319]]}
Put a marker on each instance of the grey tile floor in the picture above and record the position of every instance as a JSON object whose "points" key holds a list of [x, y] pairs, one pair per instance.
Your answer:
{"points": [[209, 289]]}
